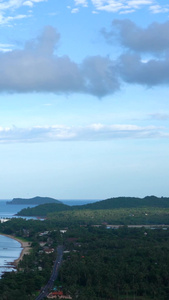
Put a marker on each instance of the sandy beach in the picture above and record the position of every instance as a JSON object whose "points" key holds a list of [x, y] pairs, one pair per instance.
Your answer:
{"points": [[26, 247]]}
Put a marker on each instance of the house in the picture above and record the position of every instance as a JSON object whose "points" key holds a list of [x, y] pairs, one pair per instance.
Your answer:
{"points": [[42, 244], [63, 231], [43, 233], [58, 295], [48, 251], [3, 220]]}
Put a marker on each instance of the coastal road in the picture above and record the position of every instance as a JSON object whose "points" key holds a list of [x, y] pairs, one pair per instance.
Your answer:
{"points": [[46, 290]]}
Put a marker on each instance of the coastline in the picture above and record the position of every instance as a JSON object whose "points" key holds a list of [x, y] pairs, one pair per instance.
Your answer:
{"points": [[26, 247]]}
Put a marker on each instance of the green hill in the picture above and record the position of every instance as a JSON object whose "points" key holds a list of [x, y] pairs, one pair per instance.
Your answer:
{"points": [[44, 209], [128, 202], [109, 204]]}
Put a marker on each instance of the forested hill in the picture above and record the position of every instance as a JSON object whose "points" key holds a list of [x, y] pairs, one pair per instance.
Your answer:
{"points": [[112, 203], [128, 202], [33, 201], [44, 209]]}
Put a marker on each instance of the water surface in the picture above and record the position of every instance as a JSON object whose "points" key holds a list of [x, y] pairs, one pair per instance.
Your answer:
{"points": [[10, 250]]}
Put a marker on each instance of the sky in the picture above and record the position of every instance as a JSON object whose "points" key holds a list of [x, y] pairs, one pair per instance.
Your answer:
{"points": [[84, 98]]}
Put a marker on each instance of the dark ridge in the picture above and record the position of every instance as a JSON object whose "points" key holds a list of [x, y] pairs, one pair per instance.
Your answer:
{"points": [[43, 209], [128, 202], [112, 203], [33, 201]]}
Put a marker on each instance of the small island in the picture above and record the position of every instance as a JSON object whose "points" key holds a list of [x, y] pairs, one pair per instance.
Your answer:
{"points": [[33, 201]]}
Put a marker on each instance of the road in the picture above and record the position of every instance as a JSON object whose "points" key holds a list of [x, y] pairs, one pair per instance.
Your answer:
{"points": [[46, 290]]}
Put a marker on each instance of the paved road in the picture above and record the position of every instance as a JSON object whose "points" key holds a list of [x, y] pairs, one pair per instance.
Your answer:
{"points": [[46, 290]]}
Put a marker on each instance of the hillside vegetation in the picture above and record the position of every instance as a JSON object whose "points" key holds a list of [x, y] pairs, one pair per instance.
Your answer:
{"points": [[132, 216], [128, 202], [119, 211], [44, 209]]}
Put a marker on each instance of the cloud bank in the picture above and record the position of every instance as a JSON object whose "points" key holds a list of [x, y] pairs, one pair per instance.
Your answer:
{"points": [[9, 8], [38, 68], [153, 39], [93, 132], [137, 42]]}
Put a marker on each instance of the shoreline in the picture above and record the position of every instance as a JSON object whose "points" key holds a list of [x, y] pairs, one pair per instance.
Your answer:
{"points": [[26, 247]]}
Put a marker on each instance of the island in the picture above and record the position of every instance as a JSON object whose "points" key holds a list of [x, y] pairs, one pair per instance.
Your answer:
{"points": [[33, 201]]}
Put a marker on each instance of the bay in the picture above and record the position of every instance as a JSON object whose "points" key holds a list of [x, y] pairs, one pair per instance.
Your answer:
{"points": [[10, 250], [8, 210]]}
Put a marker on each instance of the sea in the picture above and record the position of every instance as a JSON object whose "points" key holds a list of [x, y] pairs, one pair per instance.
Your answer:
{"points": [[10, 249]]}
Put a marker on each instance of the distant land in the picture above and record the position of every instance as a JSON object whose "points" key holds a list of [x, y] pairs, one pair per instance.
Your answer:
{"points": [[33, 201], [129, 202], [108, 204]]}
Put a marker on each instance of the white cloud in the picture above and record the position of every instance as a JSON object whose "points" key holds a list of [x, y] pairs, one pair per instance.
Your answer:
{"points": [[123, 6], [156, 9], [159, 116], [47, 104], [81, 2], [9, 19], [6, 47], [138, 3], [127, 11], [93, 132], [37, 1], [17, 17], [28, 3], [109, 6], [12, 5], [74, 10]]}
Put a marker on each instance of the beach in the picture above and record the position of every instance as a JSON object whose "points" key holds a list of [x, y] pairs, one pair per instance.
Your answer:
{"points": [[26, 247]]}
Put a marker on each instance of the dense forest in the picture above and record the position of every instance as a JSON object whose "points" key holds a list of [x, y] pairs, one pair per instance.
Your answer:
{"points": [[121, 216], [117, 264], [44, 209], [134, 216], [98, 263]]}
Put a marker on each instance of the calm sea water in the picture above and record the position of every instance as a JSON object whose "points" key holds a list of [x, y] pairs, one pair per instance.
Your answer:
{"points": [[9, 211], [11, 249]]}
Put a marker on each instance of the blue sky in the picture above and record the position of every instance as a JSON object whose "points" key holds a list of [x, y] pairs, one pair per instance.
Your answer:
{"points": [[84, 98]]}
